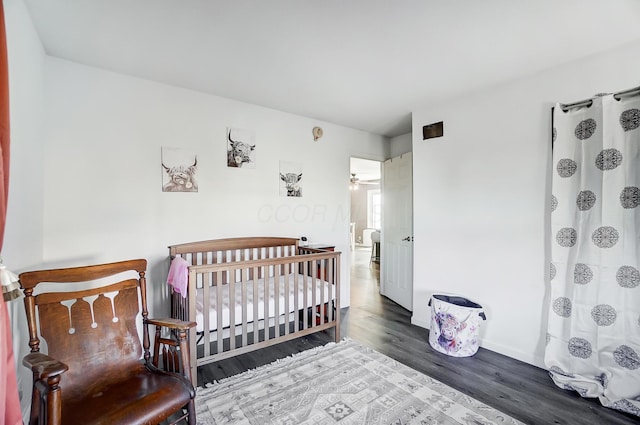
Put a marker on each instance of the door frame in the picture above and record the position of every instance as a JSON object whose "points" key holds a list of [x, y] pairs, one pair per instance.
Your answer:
{"points": [[380, 162]]}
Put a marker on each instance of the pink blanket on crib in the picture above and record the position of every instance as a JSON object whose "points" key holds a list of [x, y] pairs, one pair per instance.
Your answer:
{"points": [[179, 276]]}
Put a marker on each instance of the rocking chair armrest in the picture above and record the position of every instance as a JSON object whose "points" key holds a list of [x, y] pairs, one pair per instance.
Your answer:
{"points": [[44, 366], [172, 323], [177, 345]]}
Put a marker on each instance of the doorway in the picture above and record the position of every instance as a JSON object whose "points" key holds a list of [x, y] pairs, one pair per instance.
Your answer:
{"points": [[382, 224], [366, 216]]}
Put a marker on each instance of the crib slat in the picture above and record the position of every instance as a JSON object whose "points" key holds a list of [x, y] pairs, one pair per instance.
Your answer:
{"points": [[193, 333], [249, 258], [330, 314], [232, 312], [243, 305], [219, 307], [206, 311], [224, 259], [286, 300], [321, 283], [266, 305], [296, 297], [305, 310], [314, 290], [277, 272], [256, 272]]}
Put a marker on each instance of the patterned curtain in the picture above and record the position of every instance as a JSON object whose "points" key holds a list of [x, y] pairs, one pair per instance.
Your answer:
{"points": [[593, 340]]}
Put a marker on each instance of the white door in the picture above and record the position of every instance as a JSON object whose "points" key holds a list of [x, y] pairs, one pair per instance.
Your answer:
{"points": [[396, 269]]}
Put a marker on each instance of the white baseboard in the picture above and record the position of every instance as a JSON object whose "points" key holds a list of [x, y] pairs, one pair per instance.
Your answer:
{"points": [[514, 354], [498, 348], [420, 322]]}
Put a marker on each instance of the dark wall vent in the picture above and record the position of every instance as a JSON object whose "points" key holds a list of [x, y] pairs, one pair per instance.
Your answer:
{"points": [[432, 130]]}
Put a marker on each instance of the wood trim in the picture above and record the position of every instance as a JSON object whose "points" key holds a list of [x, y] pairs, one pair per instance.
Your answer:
{"points": [[28, 280], [231, 244], [263, 344]]}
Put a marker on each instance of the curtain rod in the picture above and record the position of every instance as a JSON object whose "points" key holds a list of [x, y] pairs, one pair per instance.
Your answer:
{"points": [[626, 93], [568, 106], [588, 102]]}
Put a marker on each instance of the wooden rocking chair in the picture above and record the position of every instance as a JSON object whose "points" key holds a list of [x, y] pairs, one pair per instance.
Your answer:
{"points": [[93, 372]]}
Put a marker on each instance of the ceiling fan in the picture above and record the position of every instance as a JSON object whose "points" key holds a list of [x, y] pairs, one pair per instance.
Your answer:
{"points": [[355, 181]]}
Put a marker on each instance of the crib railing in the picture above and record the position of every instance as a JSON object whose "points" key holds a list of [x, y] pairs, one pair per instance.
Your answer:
{"points": [[296, 293]]}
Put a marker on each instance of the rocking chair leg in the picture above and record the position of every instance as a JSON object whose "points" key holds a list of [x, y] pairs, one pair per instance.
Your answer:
{"points": [[53, 401], [35, 406], [191, 409]]}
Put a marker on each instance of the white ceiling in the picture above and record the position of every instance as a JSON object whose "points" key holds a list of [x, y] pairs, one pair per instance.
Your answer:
{"points": [[364, 64]]}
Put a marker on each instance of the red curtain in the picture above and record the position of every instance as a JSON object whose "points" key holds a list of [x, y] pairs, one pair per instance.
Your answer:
{"points": [[10, 412]]}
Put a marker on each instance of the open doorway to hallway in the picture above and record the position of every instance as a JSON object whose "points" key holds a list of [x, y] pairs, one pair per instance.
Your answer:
{"points": [[366, 215]]}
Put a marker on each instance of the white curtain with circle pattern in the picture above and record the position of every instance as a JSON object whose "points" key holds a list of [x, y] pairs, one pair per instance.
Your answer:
{"points": [[593, 340]]}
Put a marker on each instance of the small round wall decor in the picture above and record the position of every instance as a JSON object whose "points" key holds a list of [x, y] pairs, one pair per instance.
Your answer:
{"points": [[317, 133]]}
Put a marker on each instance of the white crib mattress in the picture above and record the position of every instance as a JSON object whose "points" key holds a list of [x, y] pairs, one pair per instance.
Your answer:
{"points": [[213, 316]]}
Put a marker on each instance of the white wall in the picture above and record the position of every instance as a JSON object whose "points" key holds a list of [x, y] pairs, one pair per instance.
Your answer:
{"points": [[86, 174], [102, 194], [23, 239], [400, 145], [481, 197]]}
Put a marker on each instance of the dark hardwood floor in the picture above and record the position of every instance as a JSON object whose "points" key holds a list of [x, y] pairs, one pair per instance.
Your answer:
{"points": [[518, 389]]}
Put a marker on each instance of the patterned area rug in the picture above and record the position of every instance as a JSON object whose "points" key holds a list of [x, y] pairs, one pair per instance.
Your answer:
{"points": [[344, 383]]}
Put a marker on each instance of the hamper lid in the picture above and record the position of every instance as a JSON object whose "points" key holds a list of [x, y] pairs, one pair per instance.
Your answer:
{"points": [[455, 300]]}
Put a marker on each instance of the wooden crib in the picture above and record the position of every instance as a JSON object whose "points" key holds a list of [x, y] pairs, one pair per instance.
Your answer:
{"points": [[252, 292]]}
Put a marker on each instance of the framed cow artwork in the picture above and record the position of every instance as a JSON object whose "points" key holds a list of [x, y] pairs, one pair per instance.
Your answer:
{"points": [[241, 148], [179, 167], [290, 179]]}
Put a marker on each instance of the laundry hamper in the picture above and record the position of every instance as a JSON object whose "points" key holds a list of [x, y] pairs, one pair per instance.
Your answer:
{"points": [[455, 324]]}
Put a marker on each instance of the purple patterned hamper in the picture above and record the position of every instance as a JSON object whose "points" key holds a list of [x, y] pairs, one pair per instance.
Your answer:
{"points": [[455, 323]]}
